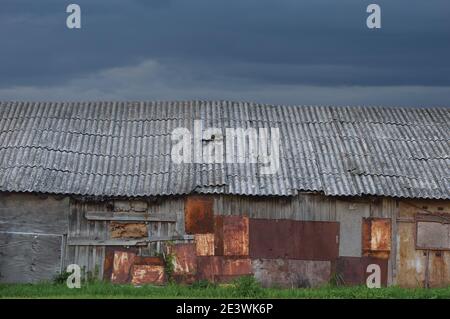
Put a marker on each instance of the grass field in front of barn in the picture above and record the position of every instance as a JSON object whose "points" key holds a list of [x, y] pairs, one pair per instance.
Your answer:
{"points": [[239, 289]]}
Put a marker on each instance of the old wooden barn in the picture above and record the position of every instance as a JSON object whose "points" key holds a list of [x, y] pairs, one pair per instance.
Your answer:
{"points": [[94, 184]]}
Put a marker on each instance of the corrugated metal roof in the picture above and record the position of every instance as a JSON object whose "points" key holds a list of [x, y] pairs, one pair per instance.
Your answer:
{"points": [[124, 149]]}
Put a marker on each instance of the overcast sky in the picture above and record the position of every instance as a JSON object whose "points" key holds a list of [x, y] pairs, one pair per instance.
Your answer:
{"points": [[270, 51]]}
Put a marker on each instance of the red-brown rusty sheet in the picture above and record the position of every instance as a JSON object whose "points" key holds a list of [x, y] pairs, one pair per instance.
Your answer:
{"points": [[185, 259], [289, 239], [216, 268], [121, 267], [199, 215], [147, 274], [353, 270], [235, 236]]}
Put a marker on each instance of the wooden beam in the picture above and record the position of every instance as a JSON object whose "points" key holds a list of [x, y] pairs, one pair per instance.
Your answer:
{"points": [[131, 217], [78, 241]]}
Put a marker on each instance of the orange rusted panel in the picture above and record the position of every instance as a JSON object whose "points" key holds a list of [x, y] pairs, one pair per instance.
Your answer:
{"points": [[199, 215], [204, 244], [376, 237], [145, 260], [218, 235], [121, 266], [147, 274], [128, 230], [235, 236], [185, 258]]}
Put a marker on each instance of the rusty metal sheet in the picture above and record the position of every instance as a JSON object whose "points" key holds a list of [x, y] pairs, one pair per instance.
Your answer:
{"points": [[432, 235], [204, 244], [376, 237], [353, 270], [235, 236], [147, 260], [128, 230], [121, 266], [218, 235], [109, 259], [289, 239], [291, 273], [199, 215], [147, 274], [438, 274], [185, 258], [218, 268]]}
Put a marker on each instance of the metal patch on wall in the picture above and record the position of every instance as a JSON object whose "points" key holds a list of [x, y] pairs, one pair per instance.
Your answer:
{"points": [[235, 236], [376, 237], [185, 258], [128, 230], [290, 273], [199, 215], [121, 267], [353, 270], [204, 244], [147, 274], [222, 269], [289, 239]]}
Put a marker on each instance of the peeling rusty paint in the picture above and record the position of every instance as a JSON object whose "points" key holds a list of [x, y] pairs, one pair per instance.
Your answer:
{"points": [[288, 239], [235, 236], [121, 266], [204, 244], [353, 270], [128, 230], [199, 215], [146, 260], [147, 274], [185, 259], [376, 237], [291, 273]]}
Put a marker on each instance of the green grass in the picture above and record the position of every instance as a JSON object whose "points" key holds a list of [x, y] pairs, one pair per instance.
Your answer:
{"points": [[107, 290]]}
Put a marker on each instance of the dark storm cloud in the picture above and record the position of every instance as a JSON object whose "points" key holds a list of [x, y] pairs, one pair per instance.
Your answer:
{"points": [[223, 45]]}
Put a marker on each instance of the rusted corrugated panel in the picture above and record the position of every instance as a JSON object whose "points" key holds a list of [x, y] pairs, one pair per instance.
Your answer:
{"points": [[290, 273], [218, 268], [147, 274], [376, 237], [121, 266], [288, 239], [199, 215], [235, 236], [109, 259], [353, 270], [128, 230], [204, 244], [185, 259]]}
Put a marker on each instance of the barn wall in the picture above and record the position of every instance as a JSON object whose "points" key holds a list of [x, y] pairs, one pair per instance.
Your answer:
{"points": [[32, 236]]}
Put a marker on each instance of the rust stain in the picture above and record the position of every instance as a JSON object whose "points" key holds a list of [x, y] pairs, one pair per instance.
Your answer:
{"points": [[204, 244], [439, 269], [376, 239], [199, 215], [290, 273], [147, 274], [289, 239], [185, 259], [128, 230], [235, 236], [121, 266]]}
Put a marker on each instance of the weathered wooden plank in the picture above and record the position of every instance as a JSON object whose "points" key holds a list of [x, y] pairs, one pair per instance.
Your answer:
{"points": [[123, 242], [110, 216]]}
